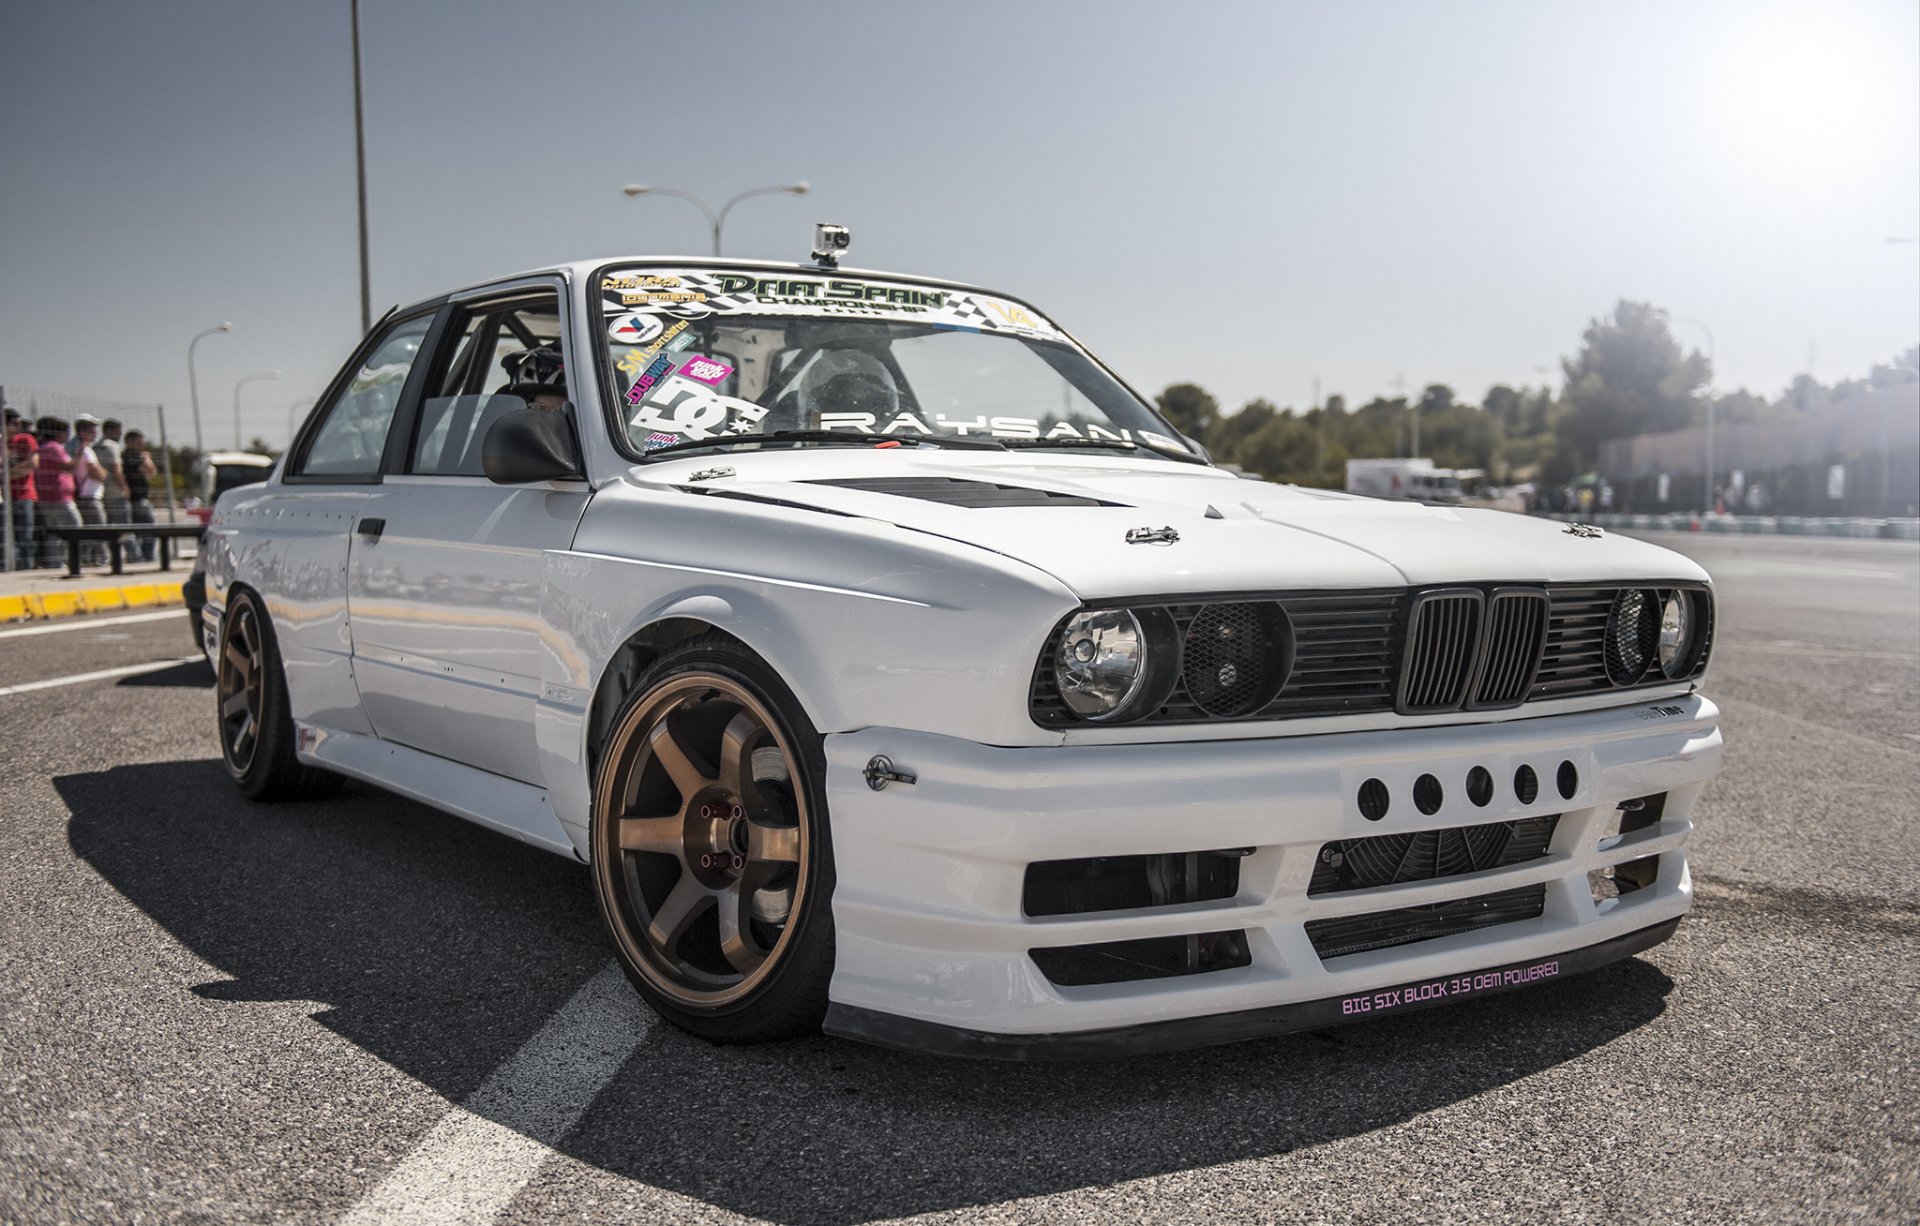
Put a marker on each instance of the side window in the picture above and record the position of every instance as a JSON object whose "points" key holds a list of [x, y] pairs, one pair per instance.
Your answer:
{"points": [[353, 433], [485, 374]]}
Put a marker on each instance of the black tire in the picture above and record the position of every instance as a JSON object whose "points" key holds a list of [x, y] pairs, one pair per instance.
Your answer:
{"points": [[711, 758], [252, 713]]}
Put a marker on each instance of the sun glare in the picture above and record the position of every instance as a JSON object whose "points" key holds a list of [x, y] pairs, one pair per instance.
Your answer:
{"points": [[1798, 93]]}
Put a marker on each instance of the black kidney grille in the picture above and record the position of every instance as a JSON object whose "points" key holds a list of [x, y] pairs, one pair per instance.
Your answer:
{"points": [[1573, 660], [1516, 625], [1352, 934], [1428, 855], [1441, 639]]}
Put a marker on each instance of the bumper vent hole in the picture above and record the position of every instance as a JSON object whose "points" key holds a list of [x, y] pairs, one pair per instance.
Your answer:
{"points": [[1567, 779], [1480, 786], [1075, 966], [1428, 795], [1526, 785], [1127, 883], [1352, 934], [1374, 800]]}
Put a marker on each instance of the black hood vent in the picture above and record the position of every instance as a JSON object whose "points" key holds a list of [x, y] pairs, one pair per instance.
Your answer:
{"points": [[957, 492]]}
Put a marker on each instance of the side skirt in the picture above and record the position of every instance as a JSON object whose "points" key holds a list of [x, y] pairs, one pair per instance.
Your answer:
{"points": [[516, 809], [1182, 1034]]}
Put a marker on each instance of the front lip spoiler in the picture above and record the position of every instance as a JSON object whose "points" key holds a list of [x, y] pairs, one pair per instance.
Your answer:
{"points": [[1182, 1034]]}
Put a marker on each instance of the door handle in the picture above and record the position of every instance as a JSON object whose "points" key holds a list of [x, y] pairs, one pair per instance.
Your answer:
{"points": [[372, 528]]}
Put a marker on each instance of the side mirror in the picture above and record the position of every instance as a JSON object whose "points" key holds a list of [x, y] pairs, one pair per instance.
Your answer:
{"points": [[530, 445]]}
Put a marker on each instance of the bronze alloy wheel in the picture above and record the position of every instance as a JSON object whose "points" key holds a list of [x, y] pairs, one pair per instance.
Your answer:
{"points": [[701, 839], [242, 687]]}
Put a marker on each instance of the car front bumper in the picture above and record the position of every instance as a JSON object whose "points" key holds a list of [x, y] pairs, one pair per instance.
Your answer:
{"points": [[934, 945]]}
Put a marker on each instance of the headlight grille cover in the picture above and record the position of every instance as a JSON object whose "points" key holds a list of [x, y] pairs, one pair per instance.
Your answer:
{"points": [[1633, 628], [1232, 656]]}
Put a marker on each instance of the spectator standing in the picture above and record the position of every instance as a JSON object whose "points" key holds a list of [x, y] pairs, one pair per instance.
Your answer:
{"points": [[136, 465], [107, 451], [90, 486], [23, 459], [53, 490]]}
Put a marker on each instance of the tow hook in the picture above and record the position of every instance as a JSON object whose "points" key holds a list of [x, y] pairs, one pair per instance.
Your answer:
{"points": [[880, 772]]}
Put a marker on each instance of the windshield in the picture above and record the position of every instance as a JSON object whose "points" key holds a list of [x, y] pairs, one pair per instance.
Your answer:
{"points": [[704, 355]]}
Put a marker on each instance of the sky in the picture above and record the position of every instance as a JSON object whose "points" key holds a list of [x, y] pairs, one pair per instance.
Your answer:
{"points": [[1248, 196]]}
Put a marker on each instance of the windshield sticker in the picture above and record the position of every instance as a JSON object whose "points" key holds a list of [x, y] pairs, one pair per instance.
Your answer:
{"points": [[657, 440], [689, 411], [648, 377], [693, 294], [635, 360], [635, 329], [705, 370]]}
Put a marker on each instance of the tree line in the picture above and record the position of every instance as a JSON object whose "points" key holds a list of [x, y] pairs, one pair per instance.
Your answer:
{"points": [[1630, 376]]}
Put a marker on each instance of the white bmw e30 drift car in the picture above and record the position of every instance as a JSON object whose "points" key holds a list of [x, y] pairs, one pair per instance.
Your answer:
{"points": [[898, 671]]}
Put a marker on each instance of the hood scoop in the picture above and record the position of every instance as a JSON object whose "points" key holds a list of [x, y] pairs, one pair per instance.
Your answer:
{"points": [[960, 492]]}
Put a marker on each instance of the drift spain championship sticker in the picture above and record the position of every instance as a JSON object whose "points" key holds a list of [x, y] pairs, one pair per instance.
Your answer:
{"points": [[1372, 1004]]}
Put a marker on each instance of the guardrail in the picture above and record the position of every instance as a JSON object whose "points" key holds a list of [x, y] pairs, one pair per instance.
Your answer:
{"points": [[1753, 525]]}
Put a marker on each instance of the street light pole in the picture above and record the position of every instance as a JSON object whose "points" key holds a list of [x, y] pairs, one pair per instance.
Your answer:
{"points": [[193, 384], [244, 380], [293, 420], [1706, 498], [715, 220], [360, 169]]}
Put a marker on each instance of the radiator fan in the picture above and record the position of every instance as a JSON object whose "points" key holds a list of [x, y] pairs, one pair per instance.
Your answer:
{"points": [[1425, 855]]}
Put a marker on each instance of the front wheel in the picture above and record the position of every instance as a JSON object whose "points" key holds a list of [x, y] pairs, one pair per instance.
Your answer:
{"points": [[256, 727], [711, 857]]}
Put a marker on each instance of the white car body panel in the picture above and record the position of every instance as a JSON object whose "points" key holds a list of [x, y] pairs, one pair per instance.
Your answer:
{"points": [[457, 660]]}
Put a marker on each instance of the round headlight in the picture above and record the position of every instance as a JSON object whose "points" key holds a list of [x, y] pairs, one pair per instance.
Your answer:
{"points": [[1101, 663], [1676, 634], [1633, 627]]}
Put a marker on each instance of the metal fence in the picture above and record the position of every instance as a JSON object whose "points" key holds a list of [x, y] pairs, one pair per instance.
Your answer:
{"points": [[48, 414]]}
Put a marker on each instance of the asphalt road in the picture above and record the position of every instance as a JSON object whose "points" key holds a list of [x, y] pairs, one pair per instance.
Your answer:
{"points": [[218, 1012]]}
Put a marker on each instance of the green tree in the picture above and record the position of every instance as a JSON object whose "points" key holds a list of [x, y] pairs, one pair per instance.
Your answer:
{"points": [[1630, 377], [1191, 410]]}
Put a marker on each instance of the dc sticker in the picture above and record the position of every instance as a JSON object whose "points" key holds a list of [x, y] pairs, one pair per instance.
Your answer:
{"points": [[697, 413], [635, 329]]}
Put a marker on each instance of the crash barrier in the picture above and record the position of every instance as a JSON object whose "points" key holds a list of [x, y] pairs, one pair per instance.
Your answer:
{"points": [[116, 598], [25, 526], [1753, 525], [118, 536]]}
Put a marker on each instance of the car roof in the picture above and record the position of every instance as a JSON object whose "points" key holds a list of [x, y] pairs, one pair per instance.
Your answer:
{"points": [[578, 269]]}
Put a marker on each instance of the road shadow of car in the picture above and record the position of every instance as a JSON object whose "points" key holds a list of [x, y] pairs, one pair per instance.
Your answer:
{"points": [[194, 675], [440, 947]]}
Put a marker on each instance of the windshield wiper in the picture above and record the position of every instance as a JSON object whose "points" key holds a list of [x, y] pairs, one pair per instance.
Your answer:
{"points": [[843, 438]]}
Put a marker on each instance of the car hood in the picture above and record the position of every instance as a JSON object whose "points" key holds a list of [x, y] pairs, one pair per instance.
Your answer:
{"points": [[1071, 515]]}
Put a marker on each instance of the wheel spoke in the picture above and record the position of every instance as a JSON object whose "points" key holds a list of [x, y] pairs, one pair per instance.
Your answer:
{"points": [[681, 907], [241, 664], [737, 942], [243, 737], [773, 844], [686, 776], [664, 835], [734, 775], [236, 704]]}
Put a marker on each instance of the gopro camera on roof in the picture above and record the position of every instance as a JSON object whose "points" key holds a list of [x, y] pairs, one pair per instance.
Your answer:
{"points": [[829, 241]]}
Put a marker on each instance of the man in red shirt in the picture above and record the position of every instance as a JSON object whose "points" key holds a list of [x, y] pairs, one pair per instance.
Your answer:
{"points": [[53, 485], [22, 460]]}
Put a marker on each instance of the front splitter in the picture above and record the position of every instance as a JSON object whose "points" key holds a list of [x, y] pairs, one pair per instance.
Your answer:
{"points": [[1182, 1034]]}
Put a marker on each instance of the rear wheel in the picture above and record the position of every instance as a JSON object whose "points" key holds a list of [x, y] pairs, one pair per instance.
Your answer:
{"points": [[711, 856], [256, 729]]}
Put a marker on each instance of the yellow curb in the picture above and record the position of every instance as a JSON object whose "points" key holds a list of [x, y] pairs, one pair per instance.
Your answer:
{"points": [[102, 600], [89, 600], [58, 604]]}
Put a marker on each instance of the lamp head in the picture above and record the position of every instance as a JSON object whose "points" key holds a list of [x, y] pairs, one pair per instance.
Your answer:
{"points": [[636, 189]]}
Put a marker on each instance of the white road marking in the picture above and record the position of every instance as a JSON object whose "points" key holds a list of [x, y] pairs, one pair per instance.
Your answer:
{"points": [[473, 1162], [93, 623], [104, 674]]}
